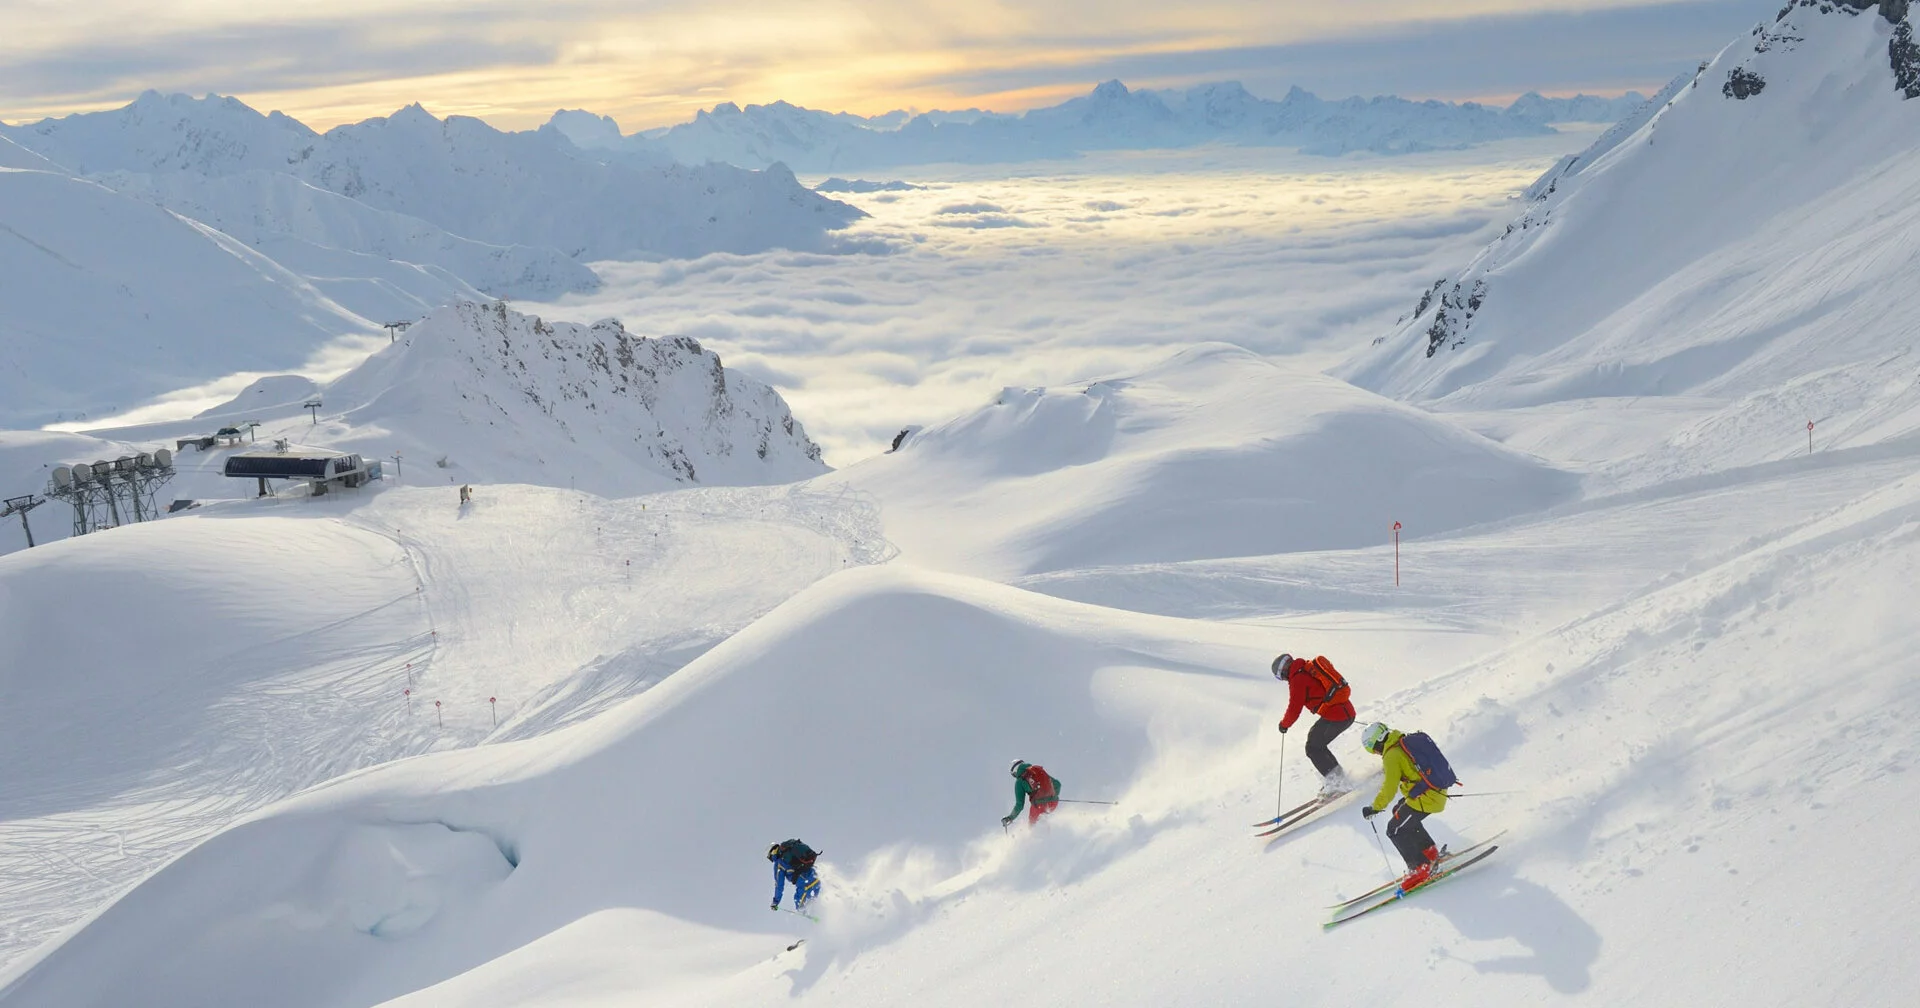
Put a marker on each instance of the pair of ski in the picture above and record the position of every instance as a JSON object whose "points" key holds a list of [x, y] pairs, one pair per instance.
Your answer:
{"points": [[1451, 863], [1300, 813]]}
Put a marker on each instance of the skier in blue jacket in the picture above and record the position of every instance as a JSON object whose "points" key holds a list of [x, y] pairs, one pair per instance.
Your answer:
{"points": [[793, 862]]}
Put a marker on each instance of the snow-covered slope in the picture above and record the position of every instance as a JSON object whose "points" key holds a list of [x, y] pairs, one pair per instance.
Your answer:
{"points": [[1111, 117], [460, 175], [109, 301], [263, 646], [1214, 453], [380, 892], [1661, 760], [1752, 239], [478, 393], [1679, 686], [506, 397], [309, 229], [12, 155]]}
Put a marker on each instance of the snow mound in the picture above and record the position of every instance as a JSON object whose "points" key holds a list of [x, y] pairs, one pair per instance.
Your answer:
{"points": [[1215, 453], [85, 266], [1756, 229], [498, 396], [394, 879], [274, 392]]}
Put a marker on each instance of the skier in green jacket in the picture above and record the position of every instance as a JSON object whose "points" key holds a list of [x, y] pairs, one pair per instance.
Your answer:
{"points": [[1409, 835], [1030, 780]]}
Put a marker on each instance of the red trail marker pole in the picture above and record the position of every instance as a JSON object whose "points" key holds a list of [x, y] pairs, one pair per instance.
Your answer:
{"points": [[1396, 554], [437, 719], [408, 693], [1809, 437]]}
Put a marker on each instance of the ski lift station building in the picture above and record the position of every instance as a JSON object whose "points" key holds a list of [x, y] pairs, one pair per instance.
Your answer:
{"points": [[318, 468]]}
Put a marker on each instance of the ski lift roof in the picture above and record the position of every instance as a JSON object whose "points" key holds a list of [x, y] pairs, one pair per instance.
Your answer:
{"points": [[296, 462]]}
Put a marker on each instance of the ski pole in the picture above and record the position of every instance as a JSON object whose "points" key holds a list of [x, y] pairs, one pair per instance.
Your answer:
{"points": [[1480, 794], [1279, 787], [1083, 801], [1384, 859]]}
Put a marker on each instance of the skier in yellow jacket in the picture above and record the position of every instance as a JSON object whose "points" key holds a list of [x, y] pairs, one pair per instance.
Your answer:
{"points": [[1409, 835]]}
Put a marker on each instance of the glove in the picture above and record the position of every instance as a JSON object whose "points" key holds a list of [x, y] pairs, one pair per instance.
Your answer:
{"points": [[1283, 729], [1006, 820], [1369, 812], [773, 906]]}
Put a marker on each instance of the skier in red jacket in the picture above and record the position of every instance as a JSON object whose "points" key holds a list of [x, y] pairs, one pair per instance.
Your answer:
{"points": [[1317, 687]]}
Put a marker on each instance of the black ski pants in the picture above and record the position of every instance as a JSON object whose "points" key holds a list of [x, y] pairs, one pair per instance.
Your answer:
{"points": [[1319, 737], [1409, 835]]}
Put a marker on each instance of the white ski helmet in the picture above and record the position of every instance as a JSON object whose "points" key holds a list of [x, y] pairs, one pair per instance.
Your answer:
{"points": [[1014, 770], [1374, 737], [1280, 666]]}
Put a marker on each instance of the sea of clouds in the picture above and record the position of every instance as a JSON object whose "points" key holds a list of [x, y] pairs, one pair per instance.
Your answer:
{"points": [[1048, 273]]}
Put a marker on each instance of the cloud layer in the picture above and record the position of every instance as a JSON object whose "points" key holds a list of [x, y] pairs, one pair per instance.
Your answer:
{"points": [[1080, 269]]}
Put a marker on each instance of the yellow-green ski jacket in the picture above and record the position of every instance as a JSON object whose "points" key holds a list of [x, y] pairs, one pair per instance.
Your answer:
{"points": [[1401, 777]]}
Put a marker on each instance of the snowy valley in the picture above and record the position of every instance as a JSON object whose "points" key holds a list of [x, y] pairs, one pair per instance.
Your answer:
{"points": [[1622, 513]]}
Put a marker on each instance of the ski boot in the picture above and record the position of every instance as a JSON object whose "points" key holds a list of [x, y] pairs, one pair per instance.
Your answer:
{"points": [[1420, 875], [1334, 786]]}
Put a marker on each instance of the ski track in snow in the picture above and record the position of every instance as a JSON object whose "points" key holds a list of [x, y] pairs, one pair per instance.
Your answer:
{"points": [[630, 589], [1679, 678]]}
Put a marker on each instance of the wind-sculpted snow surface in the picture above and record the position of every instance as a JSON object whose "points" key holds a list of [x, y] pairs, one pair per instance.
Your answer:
{"points": [[1732, 242], [506, 397], [1214, 453], [1635, 757], [1111, 117], [908, 689], [261, 647], [109, 301]]}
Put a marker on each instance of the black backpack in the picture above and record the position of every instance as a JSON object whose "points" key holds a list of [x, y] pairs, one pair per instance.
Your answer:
{"points": [[794, 855]]}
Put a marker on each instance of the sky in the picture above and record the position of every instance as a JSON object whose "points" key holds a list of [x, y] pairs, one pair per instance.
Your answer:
{"points": [[654, 62]]}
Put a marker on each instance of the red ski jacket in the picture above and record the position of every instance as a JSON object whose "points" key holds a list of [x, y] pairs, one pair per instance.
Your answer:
{"points": [[1305, 691]]}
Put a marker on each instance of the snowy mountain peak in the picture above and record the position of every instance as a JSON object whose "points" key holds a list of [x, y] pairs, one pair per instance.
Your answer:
{"points": [[586, 130], [161, 133], [1749, 228], [515, 398]]}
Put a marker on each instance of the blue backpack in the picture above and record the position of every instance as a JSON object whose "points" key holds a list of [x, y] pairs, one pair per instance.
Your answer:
{"points": [[1429, 762]]}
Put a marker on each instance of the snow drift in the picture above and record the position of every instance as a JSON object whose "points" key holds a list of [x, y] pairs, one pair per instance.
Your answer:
{"points": [[1216, 452], [388, 881]]}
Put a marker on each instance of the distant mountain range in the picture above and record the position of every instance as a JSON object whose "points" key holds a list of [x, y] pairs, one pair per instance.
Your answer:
{"points": [[1111, 117], [281, 239]]}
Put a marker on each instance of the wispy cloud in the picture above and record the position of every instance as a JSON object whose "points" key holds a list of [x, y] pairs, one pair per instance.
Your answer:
{"points": [[653, 62]]}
